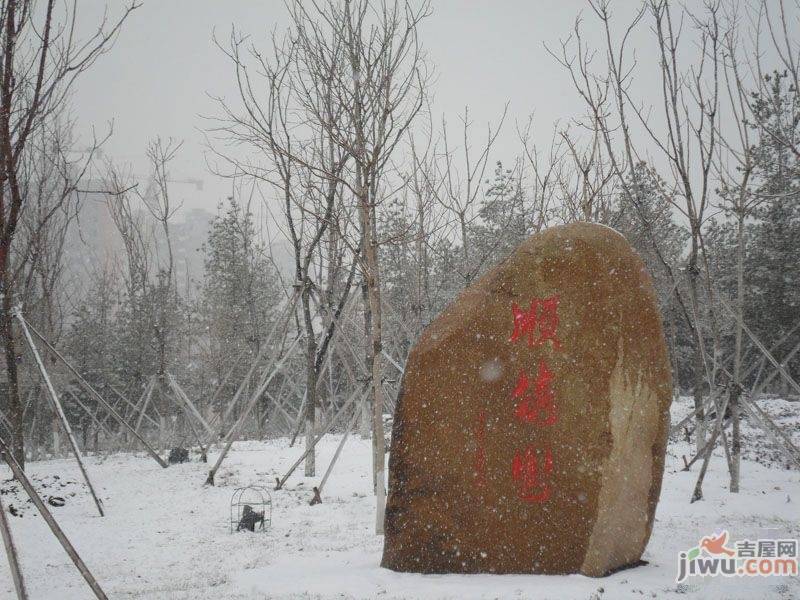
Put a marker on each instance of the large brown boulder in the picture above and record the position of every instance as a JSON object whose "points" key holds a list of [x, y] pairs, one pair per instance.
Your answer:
{"points": [[530, 432]]}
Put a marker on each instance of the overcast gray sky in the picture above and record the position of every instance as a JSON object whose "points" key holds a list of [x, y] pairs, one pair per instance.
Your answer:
{"points": [[156, 79]]}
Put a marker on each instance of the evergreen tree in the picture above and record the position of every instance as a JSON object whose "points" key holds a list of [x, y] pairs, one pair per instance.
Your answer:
{"points": [[773, 269], [239, 293]]}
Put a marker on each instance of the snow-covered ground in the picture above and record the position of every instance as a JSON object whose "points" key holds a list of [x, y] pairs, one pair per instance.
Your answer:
{"points": [[166, 535]]}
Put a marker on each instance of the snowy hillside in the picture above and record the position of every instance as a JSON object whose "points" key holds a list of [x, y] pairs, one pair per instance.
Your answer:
{"points": [[166, 535]]}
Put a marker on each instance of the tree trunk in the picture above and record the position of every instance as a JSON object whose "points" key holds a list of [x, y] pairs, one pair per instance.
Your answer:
{"points": [[697, 362], [673, 337], [371, 276], [378, 441], [736, 440], [311, 382], [366, 420], [374, 345], [15, 405]]}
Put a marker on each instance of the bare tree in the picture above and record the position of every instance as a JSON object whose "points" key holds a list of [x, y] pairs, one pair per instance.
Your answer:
{"points": [[42, 56], [588, 187], [304, 165], [38, 256], [743, 80], [362, 63], [384, 93], [137, 266], [158, 202], [542, 171], [462, 172], [685, 135]]}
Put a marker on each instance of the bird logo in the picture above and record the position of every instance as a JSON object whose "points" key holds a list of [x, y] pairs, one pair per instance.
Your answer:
{"points": [[716, 545]]}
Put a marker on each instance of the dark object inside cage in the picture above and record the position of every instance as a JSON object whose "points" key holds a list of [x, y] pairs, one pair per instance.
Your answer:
{"points": [[178, 455], [251, 509]]}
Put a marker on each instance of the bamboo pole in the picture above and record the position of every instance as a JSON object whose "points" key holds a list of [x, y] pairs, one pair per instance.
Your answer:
{"points": [[762, 363], [695, 413], [768, 379], [780, 439], [239, 390], [59, 409], [86, 409], [151, 384], [222, 384], [709, 447], [279, 406], [51, 522], [139, 403], [181, 395], [32, 393], [269, 419], [259, 357], [757, 415], [299, 421], [327, 429], [183, 406], [707, 403], [267, 416], [95, 394], [701, 454], [396, 365], [765, 352], [294, 388], [11, 554], [4, 420], [231, 435], [317, 499]]}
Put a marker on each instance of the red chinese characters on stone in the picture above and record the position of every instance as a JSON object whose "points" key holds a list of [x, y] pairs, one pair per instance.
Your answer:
{"points": [[531, 468], [531, 471], [536, 402], [539, 323]]}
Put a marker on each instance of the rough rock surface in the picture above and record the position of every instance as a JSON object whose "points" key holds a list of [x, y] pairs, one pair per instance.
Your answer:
{"points": [[530, 432]]}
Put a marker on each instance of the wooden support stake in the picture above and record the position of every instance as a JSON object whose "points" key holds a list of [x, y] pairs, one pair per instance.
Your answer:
{"points": [[94, 418], [88, 387], [706, 405], [177, 393], [317, 499], [239, 390], [11, 553], [59, 409], [327, 429], [261, 353], [181, 395], [396, 364], [51, 522], [768, 379], [279, 407], [687, 465], [148, 394], [221, 385], [231, 436], [762, 420], [709, 447], [707, 402], [765, 352]]}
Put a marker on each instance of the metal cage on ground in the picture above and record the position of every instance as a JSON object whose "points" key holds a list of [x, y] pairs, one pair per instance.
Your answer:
{"points": [[251, 509]]}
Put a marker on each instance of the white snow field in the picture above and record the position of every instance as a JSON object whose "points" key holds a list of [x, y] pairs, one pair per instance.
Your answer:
{"points": [[166, 535]]}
